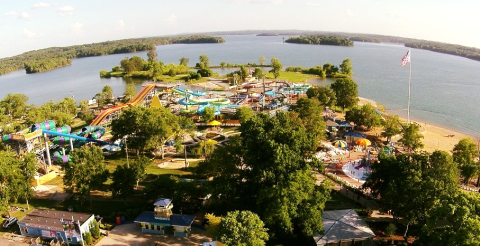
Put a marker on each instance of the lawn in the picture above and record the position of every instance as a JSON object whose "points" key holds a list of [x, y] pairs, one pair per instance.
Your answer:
{"points": [[292, 76]]}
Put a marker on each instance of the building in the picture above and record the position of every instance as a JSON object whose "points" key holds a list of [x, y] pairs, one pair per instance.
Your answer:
{"points": [[63, 226], [161, 218], [344, 227]]}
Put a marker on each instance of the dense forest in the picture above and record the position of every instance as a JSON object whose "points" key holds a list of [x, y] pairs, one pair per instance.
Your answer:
{"points": [[322, 40], [55, 57]]}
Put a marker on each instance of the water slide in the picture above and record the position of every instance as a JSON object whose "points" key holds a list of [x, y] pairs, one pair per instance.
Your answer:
{"points": [[136, 100], [75, 137], [184, 92]]}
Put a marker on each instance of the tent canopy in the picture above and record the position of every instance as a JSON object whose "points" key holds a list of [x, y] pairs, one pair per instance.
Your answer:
{"points": [[214, 123]]}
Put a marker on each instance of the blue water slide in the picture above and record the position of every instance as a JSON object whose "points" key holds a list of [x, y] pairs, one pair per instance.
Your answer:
{"points": [[76, 137], [182, 91]]}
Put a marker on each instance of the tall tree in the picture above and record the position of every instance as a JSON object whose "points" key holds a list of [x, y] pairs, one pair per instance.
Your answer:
{"points": [[244, 113], [206, 61], [310, 112], [346, 91], [139, 168], [391, 126], [325, 95], [86, 172], [85, 112], [67, 105], [152, 54], [242, 228], [262, 60], [14, 104], [346, 67], [184, 61], [129, 93], [364, 116], [276, 67], [268, 170], [208, 114], [411, 137], [123, 181], [464, 154]]}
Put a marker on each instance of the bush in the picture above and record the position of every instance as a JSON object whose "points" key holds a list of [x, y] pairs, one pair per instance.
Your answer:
{"points": [[95, 230], [87, 237], [391, 228]]}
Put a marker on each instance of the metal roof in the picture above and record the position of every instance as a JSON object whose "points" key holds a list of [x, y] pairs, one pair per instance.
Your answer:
{"points": [[163, 202]]}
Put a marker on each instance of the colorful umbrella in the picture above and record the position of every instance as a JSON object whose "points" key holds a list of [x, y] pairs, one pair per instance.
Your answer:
{"points": [[214, 123], [363, 141], [340, 144]]}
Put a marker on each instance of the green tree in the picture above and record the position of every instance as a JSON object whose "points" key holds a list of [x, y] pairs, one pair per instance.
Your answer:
{"points": [[242, 228], [391, 126], [270, 161], [86, 172], [325, 95], [135, 63], [464, 154], [139, 168], [262, 60], [411, 137], [346, 67], [67, 105], [330, 70], [364, 116], [276, 67], [413, 185], [258, 73], [15, 105], [346, 92], [213, 225], [152, 54], [95, 230], [184, 61], [129, 93], [146, 127], [85, 113], [208, 114], [87, 237], [205, 60], [243, 73], [244, 114], [310, 112], [222, 64], [123, 182]]}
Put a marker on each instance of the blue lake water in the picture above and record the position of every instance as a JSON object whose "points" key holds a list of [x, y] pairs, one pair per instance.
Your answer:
{"points": [[444, 87]]}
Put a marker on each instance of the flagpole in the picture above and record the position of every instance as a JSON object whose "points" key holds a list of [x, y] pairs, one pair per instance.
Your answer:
{"points": [[409, 83]]}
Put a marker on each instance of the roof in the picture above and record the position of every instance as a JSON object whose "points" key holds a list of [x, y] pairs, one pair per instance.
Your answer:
{"points": [[214, 243], [342, 225], [149, 217], [355, 134], [181, 219], [162, 202], [51, 218], [331, 123]]}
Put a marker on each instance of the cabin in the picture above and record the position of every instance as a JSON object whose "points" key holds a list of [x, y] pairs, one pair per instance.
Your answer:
{"points": [[158, 220]]}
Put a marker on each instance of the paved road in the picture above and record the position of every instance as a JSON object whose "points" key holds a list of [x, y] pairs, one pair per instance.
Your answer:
{"points": [[128, 234]]}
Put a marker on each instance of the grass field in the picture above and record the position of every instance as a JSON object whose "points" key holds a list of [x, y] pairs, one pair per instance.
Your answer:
{"points": [[292, 76]]}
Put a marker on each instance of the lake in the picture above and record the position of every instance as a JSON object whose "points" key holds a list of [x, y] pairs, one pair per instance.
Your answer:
{"points": [[444, 87]]}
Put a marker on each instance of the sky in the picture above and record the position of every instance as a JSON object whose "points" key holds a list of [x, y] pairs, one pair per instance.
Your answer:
{"points": [[29, 25]]}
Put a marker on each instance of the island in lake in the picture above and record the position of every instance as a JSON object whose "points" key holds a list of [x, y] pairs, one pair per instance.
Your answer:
{"points": [[320, 40]]}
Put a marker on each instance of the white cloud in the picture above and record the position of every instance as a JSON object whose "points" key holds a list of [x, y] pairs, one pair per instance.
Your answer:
{"points": [[11, 13], [400, 15], [313, 4], [40, 5], [400, 19], [350, 13], [121, 25], [31, 35], [65, 10], [77, 28], [171, 20], [25, 16], [257, 1]]}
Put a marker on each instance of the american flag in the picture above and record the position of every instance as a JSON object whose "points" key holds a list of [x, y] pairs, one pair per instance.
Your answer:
{"points": [[406, 58]]}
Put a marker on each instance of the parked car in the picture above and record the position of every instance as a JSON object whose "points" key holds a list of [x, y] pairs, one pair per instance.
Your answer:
{"points": [[8, 222]]}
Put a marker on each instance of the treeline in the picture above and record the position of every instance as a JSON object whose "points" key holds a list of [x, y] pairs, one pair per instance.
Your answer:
{"points": [[452, 49], [55, 57], [321, 40], [327, 70]]}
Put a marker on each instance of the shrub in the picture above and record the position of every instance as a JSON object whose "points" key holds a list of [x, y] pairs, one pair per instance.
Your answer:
{"points": [[391, 228], [87, 237], [95, 230]]}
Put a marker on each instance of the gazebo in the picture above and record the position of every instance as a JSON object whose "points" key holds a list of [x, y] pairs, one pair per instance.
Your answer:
{"points": [[344, 227]]}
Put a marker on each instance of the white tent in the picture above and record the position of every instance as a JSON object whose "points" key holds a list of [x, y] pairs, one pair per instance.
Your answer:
{"points": [[344, 227]]}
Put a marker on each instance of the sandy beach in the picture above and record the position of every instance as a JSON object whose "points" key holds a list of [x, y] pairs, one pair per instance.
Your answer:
{"points": [[435, 137]]}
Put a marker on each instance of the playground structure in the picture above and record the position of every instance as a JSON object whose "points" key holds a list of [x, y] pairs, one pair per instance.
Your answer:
{"points": [[135, 101], [31, 138]]}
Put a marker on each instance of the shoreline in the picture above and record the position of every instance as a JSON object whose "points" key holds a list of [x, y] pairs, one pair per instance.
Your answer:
{"points": [[434, 137]]}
